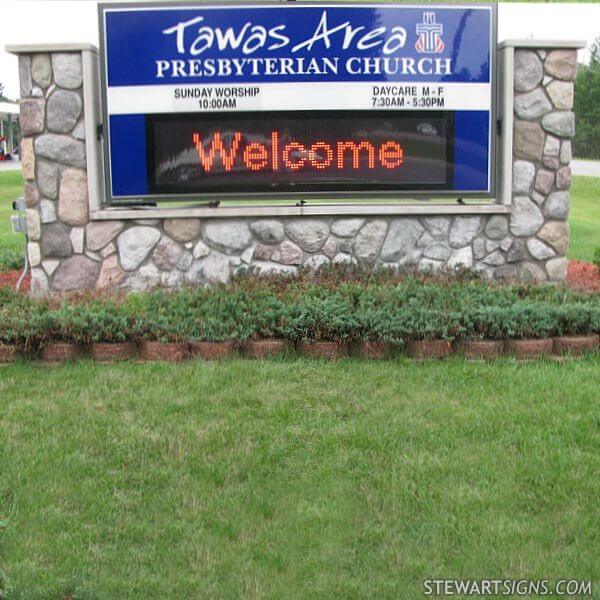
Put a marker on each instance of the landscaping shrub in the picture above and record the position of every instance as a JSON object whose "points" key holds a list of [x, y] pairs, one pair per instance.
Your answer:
{"points": [[597, 258], [363, 307]]}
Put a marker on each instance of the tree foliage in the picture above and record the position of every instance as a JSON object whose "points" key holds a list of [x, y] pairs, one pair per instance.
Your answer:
{"points": [[587, 106]]}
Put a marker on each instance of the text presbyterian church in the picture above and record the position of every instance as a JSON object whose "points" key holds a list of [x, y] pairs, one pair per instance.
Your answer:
{"points": [[224, 67]]}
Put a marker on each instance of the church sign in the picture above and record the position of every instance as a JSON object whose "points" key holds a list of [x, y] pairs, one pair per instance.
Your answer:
{"points": [[298, 100]]}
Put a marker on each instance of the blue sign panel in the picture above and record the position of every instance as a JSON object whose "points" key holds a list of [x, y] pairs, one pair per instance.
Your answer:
{"points": [[227, 100]]}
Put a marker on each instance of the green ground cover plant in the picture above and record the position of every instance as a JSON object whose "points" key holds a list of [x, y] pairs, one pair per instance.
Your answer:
{"points": [[336, 304]]}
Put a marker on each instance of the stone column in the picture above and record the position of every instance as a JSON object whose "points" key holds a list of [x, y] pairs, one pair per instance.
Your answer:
{"points": [[544, 124], [54, 167]]}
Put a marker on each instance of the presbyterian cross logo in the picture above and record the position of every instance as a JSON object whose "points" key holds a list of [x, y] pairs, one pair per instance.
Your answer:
{"points": [[429, 34]]}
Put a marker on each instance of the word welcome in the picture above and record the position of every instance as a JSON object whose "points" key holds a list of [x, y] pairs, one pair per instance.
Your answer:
{"points": [[294, 155]]}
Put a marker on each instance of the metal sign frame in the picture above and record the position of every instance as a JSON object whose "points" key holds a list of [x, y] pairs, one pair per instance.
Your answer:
{"points": [[417, 194]]}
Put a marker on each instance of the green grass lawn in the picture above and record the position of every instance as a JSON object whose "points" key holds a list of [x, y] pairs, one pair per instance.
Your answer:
{"points": [[11, 187], [295, 478], [584, 219]]}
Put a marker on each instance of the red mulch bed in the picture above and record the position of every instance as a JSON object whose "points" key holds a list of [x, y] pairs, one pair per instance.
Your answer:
{"points": [[583, 276], [10, 278]]}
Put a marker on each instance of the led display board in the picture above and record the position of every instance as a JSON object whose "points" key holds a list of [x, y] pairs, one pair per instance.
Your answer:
{"points": [[256, 101]]}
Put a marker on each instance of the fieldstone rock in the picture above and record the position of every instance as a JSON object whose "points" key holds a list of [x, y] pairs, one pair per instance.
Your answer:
{"points": [[528, 141], [425, 240], [562, 64], [27, 158], [556, 233], [185, 261], [172, 279], [401, 239], [437, 251], [50, 266], [61, 148], [539, 250], [200, 250], [479, 248], [526, 217], [316, 261], [47, 178], [506, 272], [497, 227], [25, 75], [214, 268], [145, 278], [32, 219], [31, 117], [41, 70], [411, 259], [565, 152], [538, 198], [135, 244], [343, 259], [290, 254], [552, 146], [563, 178], [62, 111], [227, 236], [516, 251], [544, 180], [309, 234], [108, 250], [182, 230], [56, 241], [79, 132], [99, 233], [346, 228], [551, 162], [491, 245], [523, 174], [506, 243], [429, 265], [557, 205], [265, 252], [34, 254], [461, 258], [263, 268], [76, 236], [67, 70], [73, 197], [268, 231], [47, 211], [528, 70], [495, 259], [167, 254], [31, 195], [531, 273], [94, 255], [247, 255], [532, 105], [329, 248], [464, 230], [562, 94], [557, 269], [39, 283], [438, 227], [561, 123], [111, 274], [367, 243], [76, 273]]}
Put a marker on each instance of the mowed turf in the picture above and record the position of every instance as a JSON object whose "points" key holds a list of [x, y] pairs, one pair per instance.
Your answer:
{"points": [[584, 218], [11, 187], [295, 478]]}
